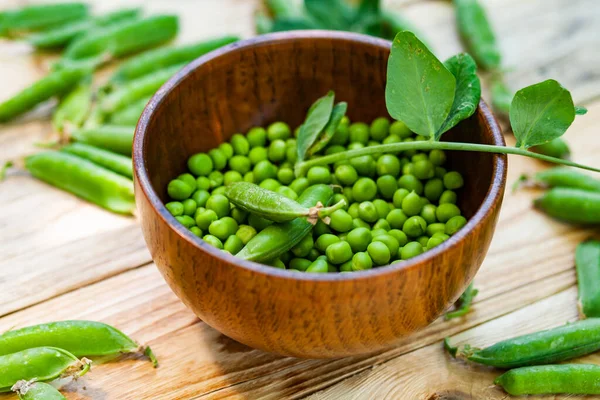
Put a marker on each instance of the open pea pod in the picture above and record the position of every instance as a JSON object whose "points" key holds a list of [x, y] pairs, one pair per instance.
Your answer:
{"points": [[37, 391]]}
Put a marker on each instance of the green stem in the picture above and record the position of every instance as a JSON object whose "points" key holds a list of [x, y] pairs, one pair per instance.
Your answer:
{"points": [[326, 212], [302, 168]]}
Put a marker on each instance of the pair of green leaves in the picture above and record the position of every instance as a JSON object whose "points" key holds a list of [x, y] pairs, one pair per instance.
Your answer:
{"points": [[321, 123]]}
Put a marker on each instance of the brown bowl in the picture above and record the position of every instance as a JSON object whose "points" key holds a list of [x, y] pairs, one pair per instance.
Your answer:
{"points": [[277, 77]]}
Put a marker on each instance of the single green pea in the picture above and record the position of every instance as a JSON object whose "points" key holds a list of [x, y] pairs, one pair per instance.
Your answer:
{"points": [[249, 177], [342, 134], [240, 164], [359, 239], [219, 159], [412, 204], [392, 244], [240, 144], [200, 164], [347, 191], [233, 244], [424, 169], [339, 253], [422, 240], [258, 154], [321, 228], [189, 179], [332, 149], [226, 149], [434, 228], [279, 131], [175, 208], [219, 190], [223, 228], [399, 236], [341, 221], [364, 165], [399, 196], [359, 223], [216, 179], [186, 221], [245, 233], [446, 211], [277, 263], [196, 231], [408, 169], [213, 241], [382, 207], [378, 232], [410, 250], [361, 261], [359, 133], [411, 183], [270, 184], [239, 215], [387, 186], [179, 190], [453, 180], [219, 204], [448, 197], [318, 266], [304, 247], [396, 218], [300, 264], [338, 197], [291, 153], [199, 211], [400, 129], [437, 157], [231, 177], [454, 224], [257, 137], [382, 224], [364, 189], [202, 183], [318, 175], [440, 172], [419, 157], [392, 139], [414, 226], [388, 164], [277, 151], [367, 212], [346, 174], [299, 185], [379, 252], [313, 255], [264, 170], [436, 240], [201, 196], [203, 220], [429, 213], [380, 128], [285, 175], [434, 189], [287, 192], [346, 267], [325, 240], [189, 207], [353, 210]]}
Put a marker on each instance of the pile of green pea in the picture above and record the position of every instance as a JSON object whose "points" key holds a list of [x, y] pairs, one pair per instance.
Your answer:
{"points": [[398, 205]]}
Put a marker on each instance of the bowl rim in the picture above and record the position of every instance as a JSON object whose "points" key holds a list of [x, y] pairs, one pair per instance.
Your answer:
{"points": [[492, 198]]}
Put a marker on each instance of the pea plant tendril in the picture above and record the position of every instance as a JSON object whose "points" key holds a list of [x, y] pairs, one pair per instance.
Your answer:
{"points": [[431, 97]]}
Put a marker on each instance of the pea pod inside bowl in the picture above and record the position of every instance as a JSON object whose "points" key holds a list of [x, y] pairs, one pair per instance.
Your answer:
{"points": [[304, 314]]}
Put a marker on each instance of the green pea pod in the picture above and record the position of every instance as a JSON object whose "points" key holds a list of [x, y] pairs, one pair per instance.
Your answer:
{"points": [[587, 263], [282, 8], [137, 89], [545, 347], [74, 108], [463, 304], [125, 38], [54, 84], [153, 61], [557, 148], [477, 33], [277, 239], [84, 179], [107, 159], [552, 379], [118, 139], [40, 17], [81, 338], [36, 391], [131, 114], [39, 363], [61, 36], [337, 113], [501, 96], [571, 205], [262, 23], [566, 177]]}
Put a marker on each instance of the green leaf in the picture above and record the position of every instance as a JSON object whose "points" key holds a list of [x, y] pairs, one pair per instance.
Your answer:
{"points": [[580, 110], [332, 14], [467, 93], [420, 89], [316, 119], [540, 113], [338, 112], [293, 24]]}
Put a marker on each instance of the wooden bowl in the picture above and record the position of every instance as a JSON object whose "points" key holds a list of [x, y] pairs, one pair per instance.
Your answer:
{"points": [[276, 77]]}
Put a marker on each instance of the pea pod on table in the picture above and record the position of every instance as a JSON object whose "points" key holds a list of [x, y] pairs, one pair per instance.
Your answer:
{"points": [[40, 17], [545, 347], [131, 114], [552, 379], [566, 178], [557, 148], [31, 390], [118, 139], [118, 163], [74, 108], [571, 205], [587, 263]]}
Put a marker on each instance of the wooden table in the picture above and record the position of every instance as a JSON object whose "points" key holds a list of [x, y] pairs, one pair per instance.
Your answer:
{"points": [[61, 258]]}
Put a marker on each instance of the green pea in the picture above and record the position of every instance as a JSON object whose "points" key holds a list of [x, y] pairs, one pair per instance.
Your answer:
{"points": [[388, 164], [359, 133], [299, 185], [436, 240], [233, 244], [213, 241], [361, 261], [175, 208], [258, 154], [419, 157], [446, 211], [392, 139], [383, 208], [454, 224], [364, 165], [240, 144], [223, 228], [318, 175], [287, 192], [359, 223], [219, 204], [202, 183], [424, 169], [231, 177], [278, 131], [324, 241], [239, 215], [408, 169], [199, 211], [300, 264], [422, 240], [411, 183], [367, 212], [378, 232], [304, 247], [400, 129], [380, 128], [399, 196], [440, 172], [382, 224], [379, 253], [437, 157], [226, 149], [189, 179], [257, 137], [245, 233], [346, 267], [200, 164], [353, 210], [387, 186], [219, 190], [342, 134], [434, 228], [364, 189], [249, 177], [429, 213], [285, 175], [338, 197], [264, 170], [189, 207], [313, 255], [321, 228], [359, 239], [318, 266], [453, 180], [186, 221], [179, 190], [206, 218], [341, 221], [196, 231], [277, 263], [240, 164], [414, 226], [291, 153], [347, 191], [277, 150], [346, 174], [448, 197], [216, 179], [339, 253], [412, 204], [410, 250], [434, 189], [399, 236], [200, 196], [396, 218], [219, 159], [334, 149], [392, 244]]}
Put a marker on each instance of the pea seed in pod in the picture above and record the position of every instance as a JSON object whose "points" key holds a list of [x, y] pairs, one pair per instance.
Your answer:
{"points": [[411, 183], [382, 207], [257, 137], [367, 212], [400, 129], [361, 261], [453, 180], [326, 240], [186, 221], [379, 253], [380, 128], [277, 151], [414, 226], [346, 174], [219, 204], [226, 149], [223, 228], [279, 131], [365, 189], [399, 236], [264, 170], [396, 218], [179, 190], [411, 250], [433, 189], [339, 253], [388, 164], [203, 220], [391, 242], [448, 197], [245, 233], [304, 247], [240, 144], [233, 244], [359, 133], [318, 175], [446, 211], [412, 205], [341, 221], [399, 196], [200, 164], [455, 224], [175, 208], [213, 241], [387, 186]]}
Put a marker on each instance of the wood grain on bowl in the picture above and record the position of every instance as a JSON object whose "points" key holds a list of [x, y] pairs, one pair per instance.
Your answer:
{"points": [[277, 77]]}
